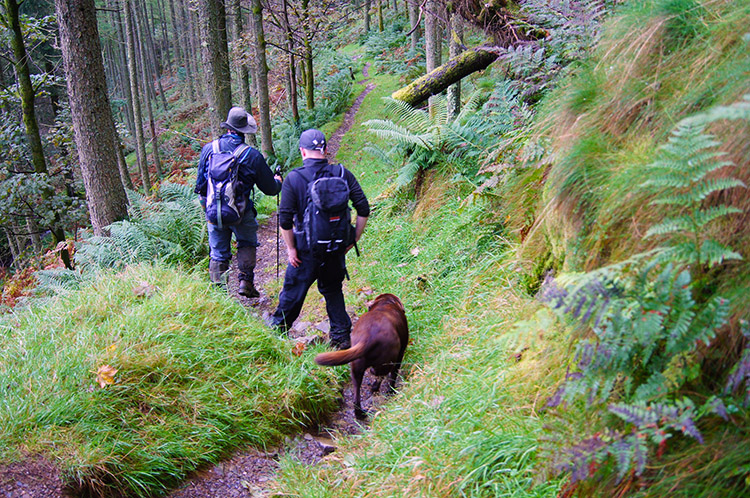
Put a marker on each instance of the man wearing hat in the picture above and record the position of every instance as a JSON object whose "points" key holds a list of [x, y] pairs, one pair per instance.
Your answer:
{"points": [[304, 268], [253, 170]]}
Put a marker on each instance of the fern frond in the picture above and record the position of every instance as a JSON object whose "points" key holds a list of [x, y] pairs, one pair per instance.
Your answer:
{"points": [[738, 110], [713, 253], [699, 193], [389, 130], [705, 216], [668, 178], [407, 173], [381, 155], [439, 110], [138, 204], [469, 107], [412, 118], [58, 281], [671, 225], [176, 192]]}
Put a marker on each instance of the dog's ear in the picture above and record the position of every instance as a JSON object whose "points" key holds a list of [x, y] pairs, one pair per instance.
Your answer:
{"points": [[390, 299], [397, 301]]}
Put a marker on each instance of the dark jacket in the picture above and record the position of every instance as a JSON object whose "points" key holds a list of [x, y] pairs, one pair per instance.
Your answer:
{"points": [[253, 168], [294, 193]]}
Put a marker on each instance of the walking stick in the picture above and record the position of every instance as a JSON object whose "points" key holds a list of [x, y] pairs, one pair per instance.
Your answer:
{"points": [[278, 172]]}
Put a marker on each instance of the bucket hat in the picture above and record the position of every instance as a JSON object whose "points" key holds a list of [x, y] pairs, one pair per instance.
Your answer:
{"points": [[240, 120]]}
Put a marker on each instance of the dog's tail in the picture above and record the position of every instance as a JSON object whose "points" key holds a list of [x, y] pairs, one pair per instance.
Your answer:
{"points": [[341, 357]]}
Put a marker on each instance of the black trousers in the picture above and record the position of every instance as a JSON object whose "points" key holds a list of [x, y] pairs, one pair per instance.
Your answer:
{"points": [[297, 281]]}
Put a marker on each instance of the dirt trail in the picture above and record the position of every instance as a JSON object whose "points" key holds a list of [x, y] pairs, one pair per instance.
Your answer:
{"points": [[247, 473]]}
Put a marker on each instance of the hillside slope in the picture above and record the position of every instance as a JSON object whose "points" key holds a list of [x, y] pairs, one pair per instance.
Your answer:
{"points": [[492, 404]]}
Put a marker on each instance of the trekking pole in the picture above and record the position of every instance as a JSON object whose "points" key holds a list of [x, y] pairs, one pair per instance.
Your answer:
{"points": [[278, 172]]}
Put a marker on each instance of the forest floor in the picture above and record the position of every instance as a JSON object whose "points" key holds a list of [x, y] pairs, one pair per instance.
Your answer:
{"points": [[247, 473]]}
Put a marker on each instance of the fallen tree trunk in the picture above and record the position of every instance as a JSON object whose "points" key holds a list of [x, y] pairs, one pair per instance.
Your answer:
{"points": [[434, 82]]}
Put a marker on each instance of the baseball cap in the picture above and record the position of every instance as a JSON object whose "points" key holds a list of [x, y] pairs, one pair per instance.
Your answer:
{"points": [[312, 139]]}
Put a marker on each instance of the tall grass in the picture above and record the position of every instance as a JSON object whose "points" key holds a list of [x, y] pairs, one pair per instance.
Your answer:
{"points": [[462, 423], [196, 377], [656, 64]]}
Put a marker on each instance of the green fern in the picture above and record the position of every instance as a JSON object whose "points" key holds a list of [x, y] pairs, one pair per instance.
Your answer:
{"points": [[58, 281], [172, 230], [429, 138], [683, 175]]}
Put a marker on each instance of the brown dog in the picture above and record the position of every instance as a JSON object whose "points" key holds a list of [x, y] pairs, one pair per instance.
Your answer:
{"points": [[378, 340]]}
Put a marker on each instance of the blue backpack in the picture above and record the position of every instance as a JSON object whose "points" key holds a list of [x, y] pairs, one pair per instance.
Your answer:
{"points": [[327, 217], [225, 204]]}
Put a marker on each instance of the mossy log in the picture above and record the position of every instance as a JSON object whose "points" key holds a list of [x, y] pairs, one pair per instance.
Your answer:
{"points": [[470, 61]]}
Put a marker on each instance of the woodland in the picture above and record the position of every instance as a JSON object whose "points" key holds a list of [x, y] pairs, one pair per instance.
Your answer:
{"points": [[559, 197]]}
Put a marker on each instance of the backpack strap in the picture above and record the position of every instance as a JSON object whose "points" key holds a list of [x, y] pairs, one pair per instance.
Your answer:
{"points": [[215, 146], [239, 150]]}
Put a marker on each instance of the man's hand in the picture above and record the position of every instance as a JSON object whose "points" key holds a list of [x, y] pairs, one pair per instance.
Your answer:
{"points": [[278, 178], [292, 256]]}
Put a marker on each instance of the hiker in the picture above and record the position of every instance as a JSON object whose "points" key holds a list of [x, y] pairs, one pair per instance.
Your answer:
{"points": [[322, 262], [227, 171]]}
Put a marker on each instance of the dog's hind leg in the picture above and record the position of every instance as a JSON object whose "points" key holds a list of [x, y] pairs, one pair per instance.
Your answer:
{"points": [[392, 379], [358, 373]]}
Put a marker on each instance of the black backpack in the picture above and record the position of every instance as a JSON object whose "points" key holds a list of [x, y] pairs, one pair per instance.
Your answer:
{"points": [[327, 217], [225, 204]]}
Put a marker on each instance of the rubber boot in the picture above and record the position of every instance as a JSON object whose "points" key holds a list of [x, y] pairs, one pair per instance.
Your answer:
{"points": [[216, 270], [246, 267]]}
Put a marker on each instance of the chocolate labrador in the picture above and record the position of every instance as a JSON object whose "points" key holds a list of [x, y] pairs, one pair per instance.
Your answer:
{"points": [[379, 340]]}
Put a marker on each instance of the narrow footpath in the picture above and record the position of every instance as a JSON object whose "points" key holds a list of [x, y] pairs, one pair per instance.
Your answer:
{"points": [[248, 474]]}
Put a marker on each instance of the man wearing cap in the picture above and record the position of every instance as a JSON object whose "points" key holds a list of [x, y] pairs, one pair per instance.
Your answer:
{"points": [[304, 268], [253, 170]]}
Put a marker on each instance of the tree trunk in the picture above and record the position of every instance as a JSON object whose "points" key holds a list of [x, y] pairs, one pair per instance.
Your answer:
{"points": [[12, 245], [414, 20], [310, 80], [381, 26], [456, 33], [432, 36], [215, 56], [36, 240], [292, 71], [26, 90], [367, 16], [123, 66], [178, 60], [193, 46], [140, 147], [264, 102], [187, 52], [89, 106], [122, 165], [419, 90], [243, 75], [148, 94], [151, 55], [309, 70], [432, 41], [164, 45]]}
